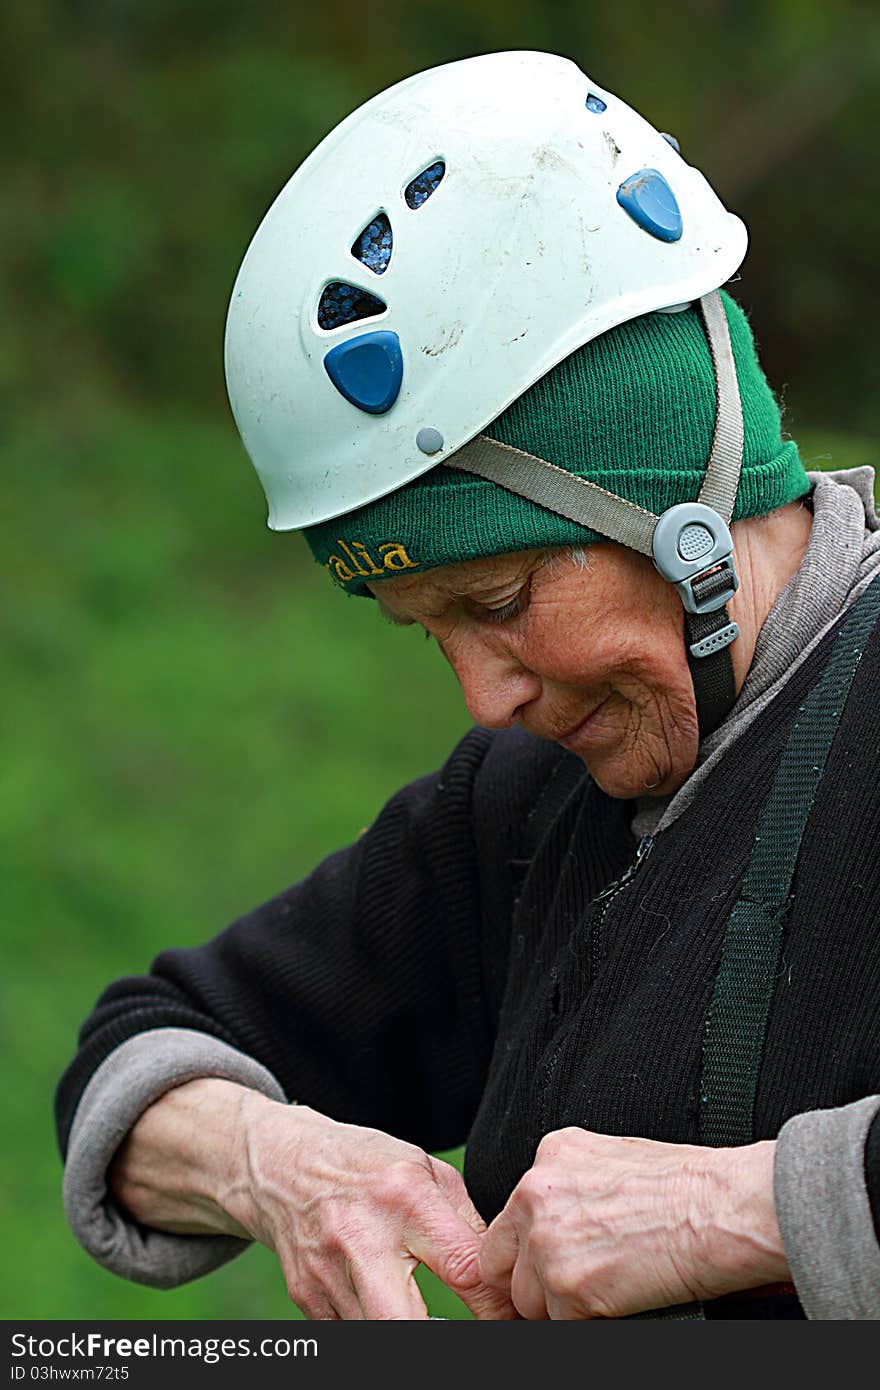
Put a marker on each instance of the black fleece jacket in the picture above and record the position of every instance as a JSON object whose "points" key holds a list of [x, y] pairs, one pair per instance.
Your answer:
{"points": [[497, 957]]}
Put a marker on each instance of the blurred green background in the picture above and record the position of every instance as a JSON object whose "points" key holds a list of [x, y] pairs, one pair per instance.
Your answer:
{"points": [[192, 715]]}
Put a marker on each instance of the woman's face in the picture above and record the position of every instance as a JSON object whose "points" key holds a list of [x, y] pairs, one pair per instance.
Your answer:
{"points": [[592, 657]]}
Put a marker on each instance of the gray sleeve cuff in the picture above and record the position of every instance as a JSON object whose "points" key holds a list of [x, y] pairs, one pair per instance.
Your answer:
{"points": [[134, 1076], [824, 1214]]}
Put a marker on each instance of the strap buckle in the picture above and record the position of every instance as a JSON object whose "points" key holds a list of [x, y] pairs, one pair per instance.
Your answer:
{"points": [[693, 549]]}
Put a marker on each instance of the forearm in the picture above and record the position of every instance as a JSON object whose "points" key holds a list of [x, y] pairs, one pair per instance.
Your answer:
{"points": [[135, 1076], [735, 1223], [183, 1167]]}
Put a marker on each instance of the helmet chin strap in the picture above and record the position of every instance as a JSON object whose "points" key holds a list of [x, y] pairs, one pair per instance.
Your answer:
{"points": [[690, 544]]}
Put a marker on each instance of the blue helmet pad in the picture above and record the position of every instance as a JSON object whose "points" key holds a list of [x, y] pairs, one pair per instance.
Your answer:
{"points": [[368, 370]]}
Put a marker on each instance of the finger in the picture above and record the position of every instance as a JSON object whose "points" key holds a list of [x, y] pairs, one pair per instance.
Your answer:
{"points": [[443, 1240], [451, 1183], [499, 1252], [321, 1294], [386, 1290], [315, 1306], [527, 1291]]}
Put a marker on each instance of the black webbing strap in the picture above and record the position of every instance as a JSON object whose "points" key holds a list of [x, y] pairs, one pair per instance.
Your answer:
{"points": [[712, 675], [714, 686], [736, 1023]]}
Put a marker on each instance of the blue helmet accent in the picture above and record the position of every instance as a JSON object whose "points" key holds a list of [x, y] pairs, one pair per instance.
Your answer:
{"points": [[650, 202], [368, 370], [374, 245], [342, 303], [595, 104], [419, 189]]}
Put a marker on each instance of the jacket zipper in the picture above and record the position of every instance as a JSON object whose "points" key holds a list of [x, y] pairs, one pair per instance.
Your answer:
{"points": [[605, 898]]}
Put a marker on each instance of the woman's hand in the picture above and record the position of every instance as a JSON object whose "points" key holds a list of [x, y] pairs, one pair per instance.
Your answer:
{"points": [[601, 1227], [350, 1212]]}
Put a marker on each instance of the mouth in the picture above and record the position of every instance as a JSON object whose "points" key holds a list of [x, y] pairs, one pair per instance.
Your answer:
{"points": [[573, 737]]}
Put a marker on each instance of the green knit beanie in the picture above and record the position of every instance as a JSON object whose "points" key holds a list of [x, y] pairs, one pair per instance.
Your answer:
{"points": [[633, 410]]}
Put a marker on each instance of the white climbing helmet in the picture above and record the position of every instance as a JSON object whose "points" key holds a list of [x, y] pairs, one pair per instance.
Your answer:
{"points": [[443, 248]]}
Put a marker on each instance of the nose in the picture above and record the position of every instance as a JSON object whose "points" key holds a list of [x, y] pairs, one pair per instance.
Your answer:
{"points": [[494, 683]]}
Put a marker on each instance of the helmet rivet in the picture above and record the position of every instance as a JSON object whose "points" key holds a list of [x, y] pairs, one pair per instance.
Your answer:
{"points": [[429, 440]]}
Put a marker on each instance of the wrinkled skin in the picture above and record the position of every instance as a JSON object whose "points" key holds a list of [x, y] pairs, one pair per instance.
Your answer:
{"points": [[349, 1211], [601, 1227], [574, 638], [541, 640]]}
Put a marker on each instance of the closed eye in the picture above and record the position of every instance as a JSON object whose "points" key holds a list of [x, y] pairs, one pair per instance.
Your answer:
{"points": [[503, 613]]}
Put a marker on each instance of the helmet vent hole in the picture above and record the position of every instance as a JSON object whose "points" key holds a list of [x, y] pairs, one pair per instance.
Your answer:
{"points": [[595, 104], [419, 189], [373, 247], [342, 303]]}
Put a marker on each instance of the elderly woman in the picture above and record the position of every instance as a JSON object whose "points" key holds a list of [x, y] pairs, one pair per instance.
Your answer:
{"points": [[623, 943]]}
